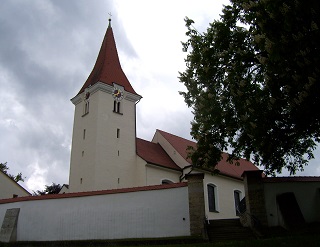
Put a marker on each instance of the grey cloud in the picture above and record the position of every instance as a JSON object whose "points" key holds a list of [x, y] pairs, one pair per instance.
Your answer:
{"points": [[47, 49]]}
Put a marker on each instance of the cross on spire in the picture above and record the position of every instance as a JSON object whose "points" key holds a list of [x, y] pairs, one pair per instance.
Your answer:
{"points": [[109, 19]]}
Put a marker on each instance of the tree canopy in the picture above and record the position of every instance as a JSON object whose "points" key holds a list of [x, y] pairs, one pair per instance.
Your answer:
{"points": [[49, 189], [252, 80], [4, 168]]}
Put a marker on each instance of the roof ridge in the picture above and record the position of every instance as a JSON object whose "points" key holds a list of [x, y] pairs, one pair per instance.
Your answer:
{"points": [[176, 135], [143, 139]]}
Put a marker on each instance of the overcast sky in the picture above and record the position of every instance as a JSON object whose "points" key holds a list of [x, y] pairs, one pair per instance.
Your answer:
{"points": [[48, 49]]}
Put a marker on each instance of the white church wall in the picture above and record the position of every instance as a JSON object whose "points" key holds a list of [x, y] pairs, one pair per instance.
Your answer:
{"points": [[140, 214], [82, 164], [225, 188], [116, 154], [155, 175], [140, 172]]}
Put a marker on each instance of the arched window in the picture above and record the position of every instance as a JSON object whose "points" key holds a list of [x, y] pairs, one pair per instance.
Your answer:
{"points": [[166, 181], [86, 107], [116, 106], [212, 198], [237, 199]]}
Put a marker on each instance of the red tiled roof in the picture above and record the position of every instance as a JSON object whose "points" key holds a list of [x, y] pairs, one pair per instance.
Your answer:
{"points": [[94, 193], [180, 145], [107, 68], [234, 170], [153, 153], [290, 179]]}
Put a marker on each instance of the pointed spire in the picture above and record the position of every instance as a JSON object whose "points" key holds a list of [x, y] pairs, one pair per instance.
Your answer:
{"points": [[107, 68]]}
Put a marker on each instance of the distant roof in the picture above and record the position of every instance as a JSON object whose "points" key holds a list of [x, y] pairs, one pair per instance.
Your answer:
{"points": [[107, 68], [291, 179], [180, 145], [15, 182], [154, 154]]}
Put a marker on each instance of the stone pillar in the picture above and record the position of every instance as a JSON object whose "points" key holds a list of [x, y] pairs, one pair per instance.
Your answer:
{"points": [[196, 204], [255, 199], [8, 231]]}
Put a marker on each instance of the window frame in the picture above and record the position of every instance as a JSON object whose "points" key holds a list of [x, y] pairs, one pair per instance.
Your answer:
{"points": [[117, 107], [166, 181], [212, 193], [237, 204], [86, 107]]}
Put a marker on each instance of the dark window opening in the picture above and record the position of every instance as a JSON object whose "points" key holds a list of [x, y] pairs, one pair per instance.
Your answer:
{"points": [[118, 133], [117, 107], [237, 199], [86, 107], [212, 193], [166, 181]]}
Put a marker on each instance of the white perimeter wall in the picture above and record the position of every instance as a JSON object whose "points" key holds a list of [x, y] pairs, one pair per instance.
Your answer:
{"points": [[140, 214], [306, 193]]}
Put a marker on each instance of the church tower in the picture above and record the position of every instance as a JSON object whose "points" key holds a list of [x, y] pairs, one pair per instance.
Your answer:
{"points": [[103, 154]]}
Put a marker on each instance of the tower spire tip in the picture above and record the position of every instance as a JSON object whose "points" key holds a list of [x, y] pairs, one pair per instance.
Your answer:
{"points": [[109, 19]]}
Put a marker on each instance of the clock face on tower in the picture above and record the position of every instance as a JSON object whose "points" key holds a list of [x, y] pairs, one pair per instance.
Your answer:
{"points": [[117, 94]]}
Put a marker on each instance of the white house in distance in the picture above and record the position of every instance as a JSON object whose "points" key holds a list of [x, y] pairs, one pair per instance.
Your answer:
{"points": [[10, 188], [106, 153]]}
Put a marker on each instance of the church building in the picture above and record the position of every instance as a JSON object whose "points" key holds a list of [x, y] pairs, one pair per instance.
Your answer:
{"points": [[107, 154]]}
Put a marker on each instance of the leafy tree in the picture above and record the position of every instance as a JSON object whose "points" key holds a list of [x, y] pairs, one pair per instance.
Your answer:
{"points": [[252, 80], [4, 168], [49, 189]]}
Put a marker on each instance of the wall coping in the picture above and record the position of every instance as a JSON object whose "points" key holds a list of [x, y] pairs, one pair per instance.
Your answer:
{"points": [[291, 179], [94, 193]]}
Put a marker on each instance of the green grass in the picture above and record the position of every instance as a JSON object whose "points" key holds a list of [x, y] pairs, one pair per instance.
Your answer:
{"points": [[291, 241]]}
